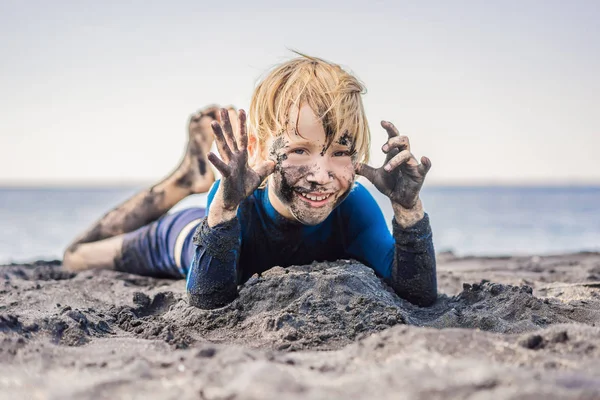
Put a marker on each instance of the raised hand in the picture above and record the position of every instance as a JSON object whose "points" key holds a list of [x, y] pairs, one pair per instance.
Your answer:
{"points": [[401, 176], [239, 180]]}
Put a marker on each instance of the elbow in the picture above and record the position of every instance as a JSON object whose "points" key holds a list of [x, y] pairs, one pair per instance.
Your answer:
{"points": [[419, 295], [210, 301], [420, 299], [211, 283], [415, 280], [426, 300], [208, 290]]}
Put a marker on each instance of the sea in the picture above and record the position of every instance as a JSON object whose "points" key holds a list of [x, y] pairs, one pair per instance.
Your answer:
{"points": [[38, 223]]}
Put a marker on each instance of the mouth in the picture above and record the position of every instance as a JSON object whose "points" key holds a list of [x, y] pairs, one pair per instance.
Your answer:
{"points": [[315, 199]]}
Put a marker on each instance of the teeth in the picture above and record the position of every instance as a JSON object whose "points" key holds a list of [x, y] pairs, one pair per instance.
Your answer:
{"points": [[314, 198]]}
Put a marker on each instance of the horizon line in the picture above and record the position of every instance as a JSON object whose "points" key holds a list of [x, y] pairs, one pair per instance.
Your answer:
{"points": [[126, 184]]}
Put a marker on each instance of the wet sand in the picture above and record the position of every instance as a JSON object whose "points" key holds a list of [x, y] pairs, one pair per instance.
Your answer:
{"points": [[506, 328]]}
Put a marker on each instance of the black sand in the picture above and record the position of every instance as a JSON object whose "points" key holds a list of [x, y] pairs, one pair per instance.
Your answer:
{"points": [[320, 331]]}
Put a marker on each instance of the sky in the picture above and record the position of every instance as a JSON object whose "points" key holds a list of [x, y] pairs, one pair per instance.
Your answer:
{"points": [[493, 92]]}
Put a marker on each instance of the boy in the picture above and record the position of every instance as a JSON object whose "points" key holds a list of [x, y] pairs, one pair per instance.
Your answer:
{"points": [[287, 196]]}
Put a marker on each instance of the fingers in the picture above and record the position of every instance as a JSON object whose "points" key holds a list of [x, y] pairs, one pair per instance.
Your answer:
{"points": [[265, 169], [394, 146], [233, 128], [398, 159], [223, 168], [222, 145], [243, 132], [229, 135], [227, 143], [234, 119], [425, 166], [390, 128], [396, 142], [367, 171]]}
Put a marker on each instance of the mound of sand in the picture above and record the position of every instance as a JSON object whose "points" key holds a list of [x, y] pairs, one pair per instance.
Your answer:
{"points": [[320, 306], [322, 330]]}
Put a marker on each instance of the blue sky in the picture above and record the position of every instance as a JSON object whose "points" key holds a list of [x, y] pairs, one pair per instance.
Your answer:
{"points": [[493, 92]]}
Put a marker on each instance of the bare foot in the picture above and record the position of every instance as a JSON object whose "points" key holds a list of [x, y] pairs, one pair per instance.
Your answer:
{"points": [[196, 173]]}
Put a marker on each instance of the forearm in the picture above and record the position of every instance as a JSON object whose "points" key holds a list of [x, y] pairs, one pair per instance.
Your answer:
{"points": [[414, 269], [407, 217], [218, 214], [212, 278]]}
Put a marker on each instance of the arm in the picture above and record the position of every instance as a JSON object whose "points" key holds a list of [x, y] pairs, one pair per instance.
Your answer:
{"points": [[405, 260], [212, 277], [413, 274]]}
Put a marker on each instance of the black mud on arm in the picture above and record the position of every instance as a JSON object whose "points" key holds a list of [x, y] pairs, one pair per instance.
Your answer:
{"points": [[212, 278], [414, 270]]}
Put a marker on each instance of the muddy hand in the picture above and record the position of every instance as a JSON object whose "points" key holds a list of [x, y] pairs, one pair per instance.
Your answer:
{"points": [[401, 176], [239, 180]]}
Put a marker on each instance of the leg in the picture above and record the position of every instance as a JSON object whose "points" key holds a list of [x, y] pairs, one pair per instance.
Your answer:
{"points": [[98, 246]]}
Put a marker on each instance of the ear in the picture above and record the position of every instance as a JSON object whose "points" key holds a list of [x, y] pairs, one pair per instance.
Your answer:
{"points": [[255, 151], [252, 143]]}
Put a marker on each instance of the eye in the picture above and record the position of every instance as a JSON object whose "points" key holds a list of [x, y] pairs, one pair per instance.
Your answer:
{"points": [[341, 153], [299, 151]]}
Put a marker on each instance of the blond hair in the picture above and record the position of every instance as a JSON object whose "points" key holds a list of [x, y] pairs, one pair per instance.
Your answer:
{"points": [[333, 94]]}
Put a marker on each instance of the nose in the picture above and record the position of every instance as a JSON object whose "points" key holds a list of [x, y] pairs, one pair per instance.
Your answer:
{"points": [[320, 173]]}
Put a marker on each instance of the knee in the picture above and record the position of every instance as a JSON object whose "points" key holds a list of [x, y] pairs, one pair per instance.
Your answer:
{"points": [[72, 261]]}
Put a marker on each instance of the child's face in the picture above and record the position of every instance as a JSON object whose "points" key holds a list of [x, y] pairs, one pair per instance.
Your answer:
{"points": [[309, 180]]}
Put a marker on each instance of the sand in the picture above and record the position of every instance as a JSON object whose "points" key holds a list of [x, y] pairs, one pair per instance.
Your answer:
{"points": [[506, 328]]}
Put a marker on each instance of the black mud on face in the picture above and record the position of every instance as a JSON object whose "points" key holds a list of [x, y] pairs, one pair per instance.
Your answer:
{"points": [[287, 180], [346, 140], [287, 185], [276, 152], [288, 177], [286, 188]]}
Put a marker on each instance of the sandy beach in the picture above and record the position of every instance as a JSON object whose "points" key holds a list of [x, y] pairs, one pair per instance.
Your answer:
{"points": [[504, 328]]}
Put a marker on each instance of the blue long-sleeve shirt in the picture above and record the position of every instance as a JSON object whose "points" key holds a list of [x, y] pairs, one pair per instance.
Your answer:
{"points": [[259, 238]]}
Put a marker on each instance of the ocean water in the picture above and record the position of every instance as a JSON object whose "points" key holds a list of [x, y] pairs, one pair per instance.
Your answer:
{"points": [[37, 223]]}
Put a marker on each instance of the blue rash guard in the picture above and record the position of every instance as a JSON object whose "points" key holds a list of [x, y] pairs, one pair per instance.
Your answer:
{"points": [[259, 238]]}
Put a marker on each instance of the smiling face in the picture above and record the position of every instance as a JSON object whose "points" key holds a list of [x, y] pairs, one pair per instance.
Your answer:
{"points": [[310, 178]]}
